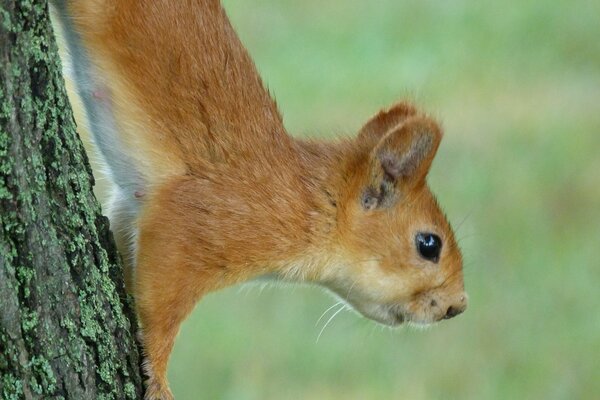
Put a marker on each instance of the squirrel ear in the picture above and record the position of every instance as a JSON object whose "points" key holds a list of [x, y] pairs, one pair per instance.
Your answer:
{"points": [[385, 120], [401, 160], [406, 152]]}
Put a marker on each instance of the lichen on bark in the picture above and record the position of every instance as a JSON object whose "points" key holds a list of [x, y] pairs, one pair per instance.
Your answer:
{"points": [[67, 327]]}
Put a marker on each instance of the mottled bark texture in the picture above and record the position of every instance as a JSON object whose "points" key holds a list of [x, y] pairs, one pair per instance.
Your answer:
{"points": [[67, 328]]}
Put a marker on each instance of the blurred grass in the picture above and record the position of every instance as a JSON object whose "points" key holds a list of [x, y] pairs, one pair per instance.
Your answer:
{"points": [[517, 86]]}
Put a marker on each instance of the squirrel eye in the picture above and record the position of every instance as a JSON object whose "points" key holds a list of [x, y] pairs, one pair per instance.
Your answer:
{"points": [[429, 246]]}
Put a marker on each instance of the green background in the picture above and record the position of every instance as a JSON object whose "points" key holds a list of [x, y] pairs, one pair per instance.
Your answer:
{"points": [[517, 87]]}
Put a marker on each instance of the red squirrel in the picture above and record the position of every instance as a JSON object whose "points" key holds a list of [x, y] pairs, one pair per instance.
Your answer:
{"points": [[210, 190]]}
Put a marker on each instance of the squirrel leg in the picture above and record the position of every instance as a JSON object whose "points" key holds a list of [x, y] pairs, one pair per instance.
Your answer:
{"points": [[162, 306], [171, 274]]}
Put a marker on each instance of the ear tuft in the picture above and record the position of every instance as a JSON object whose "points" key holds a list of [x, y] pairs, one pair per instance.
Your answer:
{"points": [[385, 120]]}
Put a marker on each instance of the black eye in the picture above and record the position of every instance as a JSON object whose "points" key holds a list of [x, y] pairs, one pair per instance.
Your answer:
{"points": [[429, 246]]}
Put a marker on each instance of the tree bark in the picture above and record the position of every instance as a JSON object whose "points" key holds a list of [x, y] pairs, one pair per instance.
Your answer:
{"points": [[67, 327]]}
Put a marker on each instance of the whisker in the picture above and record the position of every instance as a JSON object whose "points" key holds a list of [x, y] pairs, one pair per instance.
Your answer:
{"points": [[452, 275], [326, 311], [329, 320], [372, 329], [351, 287], [463, 220]]}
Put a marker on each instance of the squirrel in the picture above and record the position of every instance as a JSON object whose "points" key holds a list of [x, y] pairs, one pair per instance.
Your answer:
{"points": [[210, 190]]}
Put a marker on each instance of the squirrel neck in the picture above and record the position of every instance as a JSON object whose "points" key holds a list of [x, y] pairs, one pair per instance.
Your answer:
{"points": [[323, 166], [270, 212], [322, 171]]}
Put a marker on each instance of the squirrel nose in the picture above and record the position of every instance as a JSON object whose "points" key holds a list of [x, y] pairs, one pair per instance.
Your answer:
{"points": [[456, 309], [453, 311]]}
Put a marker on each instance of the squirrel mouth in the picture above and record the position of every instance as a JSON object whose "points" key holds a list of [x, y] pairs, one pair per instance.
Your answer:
{"points": [[398, 318]]}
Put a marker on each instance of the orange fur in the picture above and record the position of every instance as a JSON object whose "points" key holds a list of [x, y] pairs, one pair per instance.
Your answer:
{"points": [[230, 195]]}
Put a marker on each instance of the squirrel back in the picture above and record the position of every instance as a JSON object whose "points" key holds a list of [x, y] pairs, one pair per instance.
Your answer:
{"points": [[138, 83]]}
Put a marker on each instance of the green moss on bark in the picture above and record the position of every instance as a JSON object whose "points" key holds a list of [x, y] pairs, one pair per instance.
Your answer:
{"points": [[67, 328]]}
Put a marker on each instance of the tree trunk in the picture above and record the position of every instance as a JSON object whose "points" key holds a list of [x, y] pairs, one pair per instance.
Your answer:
{"points": [[67, 327]]}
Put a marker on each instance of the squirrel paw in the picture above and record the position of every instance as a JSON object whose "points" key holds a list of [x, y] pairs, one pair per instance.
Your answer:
{"points": [[156, 391]]}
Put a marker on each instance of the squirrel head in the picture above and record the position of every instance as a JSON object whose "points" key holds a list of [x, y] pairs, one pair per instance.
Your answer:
{"points": [[400, 261]]}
